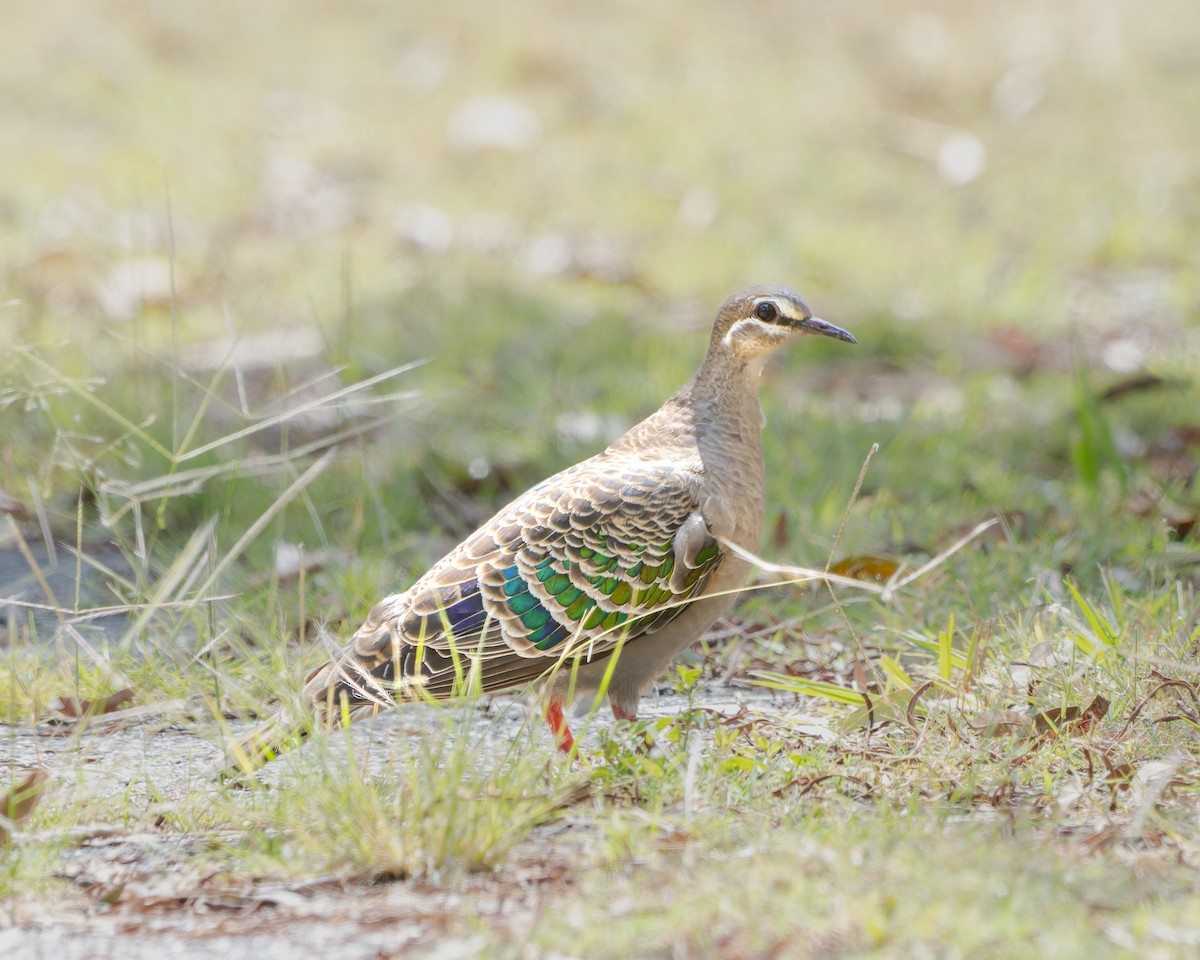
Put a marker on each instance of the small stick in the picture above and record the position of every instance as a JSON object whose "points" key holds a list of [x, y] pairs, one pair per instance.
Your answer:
{"points": [[941, 558], [862, 475]]}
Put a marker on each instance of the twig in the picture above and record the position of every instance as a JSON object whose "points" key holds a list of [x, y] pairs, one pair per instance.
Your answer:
{"points": [[890, 588], [862, 475], [796, 574]]}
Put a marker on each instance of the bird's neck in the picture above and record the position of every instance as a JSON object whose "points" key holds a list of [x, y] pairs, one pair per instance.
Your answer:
{"points": [[714, 413], [725, 392], [726, 430], [712, 428], [716, 416]]}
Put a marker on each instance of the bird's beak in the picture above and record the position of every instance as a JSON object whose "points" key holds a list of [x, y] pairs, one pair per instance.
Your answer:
{"points": [[817, 325]]}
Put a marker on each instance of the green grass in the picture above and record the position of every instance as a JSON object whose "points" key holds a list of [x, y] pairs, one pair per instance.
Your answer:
{"points": [[921, 783]]}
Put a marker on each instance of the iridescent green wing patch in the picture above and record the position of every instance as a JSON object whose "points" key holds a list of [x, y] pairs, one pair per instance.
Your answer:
{"points": [[596, 594]]}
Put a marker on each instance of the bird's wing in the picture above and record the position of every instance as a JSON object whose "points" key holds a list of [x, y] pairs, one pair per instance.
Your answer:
{"points": [[603, 552]]}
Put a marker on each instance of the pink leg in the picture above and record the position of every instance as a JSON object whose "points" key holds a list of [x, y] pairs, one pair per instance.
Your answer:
{"points": [[558, 726]]}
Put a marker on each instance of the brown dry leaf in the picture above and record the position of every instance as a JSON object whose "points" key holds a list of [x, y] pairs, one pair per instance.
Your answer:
{"points": [[1180, 521], [1142, 502], [1169, 456], [1137, 383], [12, 506], [1071, 721], [1146, 502], [21, 800], [781, 535], [75, 707], [1120, 775], [1170, 463], [862, 681], [866, 567]]}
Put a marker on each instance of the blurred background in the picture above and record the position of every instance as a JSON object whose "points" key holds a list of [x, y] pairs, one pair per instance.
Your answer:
{"points": [[214, 214], [293, 295]]}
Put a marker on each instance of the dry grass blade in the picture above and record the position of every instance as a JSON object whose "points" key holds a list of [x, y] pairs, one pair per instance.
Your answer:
{"points": [[797, 574], [192, 556], [979, 529], [805, 785], [267, 516], [97, 613], [88, 396], [185, 482], [862, 475], [34, 567], [299, 411]]}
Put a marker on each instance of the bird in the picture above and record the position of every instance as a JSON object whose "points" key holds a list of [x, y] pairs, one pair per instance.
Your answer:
{"points": [[592, 581]]}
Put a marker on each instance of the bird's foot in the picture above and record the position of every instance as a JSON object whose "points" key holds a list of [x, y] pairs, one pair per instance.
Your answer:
{"points": [[620, 713], [630, 716], [558, 726]]}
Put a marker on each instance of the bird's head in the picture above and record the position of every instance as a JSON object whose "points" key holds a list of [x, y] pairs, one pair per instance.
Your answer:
{"points": [[754, 323]]}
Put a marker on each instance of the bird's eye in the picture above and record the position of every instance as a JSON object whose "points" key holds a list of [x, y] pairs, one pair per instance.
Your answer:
{"points": [[766, 311]]}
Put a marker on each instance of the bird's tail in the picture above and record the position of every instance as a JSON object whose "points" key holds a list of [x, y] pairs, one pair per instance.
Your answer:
{"points": [[333, 695], [282, 732]]}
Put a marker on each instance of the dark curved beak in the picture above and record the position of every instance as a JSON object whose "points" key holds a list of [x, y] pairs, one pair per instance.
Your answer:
{"points": [[817, 325]]}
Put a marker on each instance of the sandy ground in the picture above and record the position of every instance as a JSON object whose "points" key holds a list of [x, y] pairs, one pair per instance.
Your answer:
{"points": [[164, 905], [136, 889]]}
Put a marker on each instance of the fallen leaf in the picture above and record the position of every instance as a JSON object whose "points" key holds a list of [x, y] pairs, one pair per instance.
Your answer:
{"points": [[75, 707], [1181, 522], [1135, 384], [1024, 352], [1070, 720], [879, 569], [12, 506], [20, 801], [861, 680], [781, 537], [1152, 779], [878, 710], [1171, 464], [1142, 503]]}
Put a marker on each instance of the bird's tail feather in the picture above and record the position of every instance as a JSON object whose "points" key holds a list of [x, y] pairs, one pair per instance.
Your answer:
{"points": [[334, 695], [251, 753]]}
